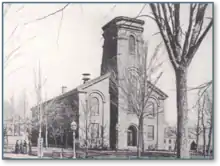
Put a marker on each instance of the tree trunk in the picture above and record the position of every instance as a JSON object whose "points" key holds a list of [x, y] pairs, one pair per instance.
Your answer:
{"points": [[209, 139], [7, 140], [46, 132], [55, 141], [203, 130], [175, 147], [62, 142], [204, 141], [197, 130], [142, 134], [140, 137], [66, 140], [46, 138], [182, 113], [87, 148]]}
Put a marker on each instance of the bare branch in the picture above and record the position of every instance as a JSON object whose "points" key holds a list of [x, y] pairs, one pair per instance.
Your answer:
{"points": [[48, 15], [202, 86], [138, 15], [20, 8], [164, 36], [12, 54], [59, 28], [14, 71], [170, 7], [6, 7], [12, 33], [110, 11], [186, 43], [194, 48]]}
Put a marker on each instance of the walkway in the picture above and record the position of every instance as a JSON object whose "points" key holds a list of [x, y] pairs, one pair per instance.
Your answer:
{"points": [[18, 156]]}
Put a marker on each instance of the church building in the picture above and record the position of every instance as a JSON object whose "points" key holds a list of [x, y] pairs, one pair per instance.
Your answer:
{"points": [[99, 120]]}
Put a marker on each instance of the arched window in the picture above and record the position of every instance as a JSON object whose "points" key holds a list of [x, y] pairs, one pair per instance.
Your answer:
{"points": [[151, 110], [150, 132], [131, 44], [132, 136], [94, 127], [94, 106], [134, 82], [169, 141], [193, 146]]}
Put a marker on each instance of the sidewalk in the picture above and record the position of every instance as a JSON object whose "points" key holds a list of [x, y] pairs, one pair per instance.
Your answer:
{"points": [[20, 156]]}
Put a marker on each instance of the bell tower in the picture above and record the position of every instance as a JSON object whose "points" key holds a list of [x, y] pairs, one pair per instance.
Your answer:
{"points": [[123, 38]]}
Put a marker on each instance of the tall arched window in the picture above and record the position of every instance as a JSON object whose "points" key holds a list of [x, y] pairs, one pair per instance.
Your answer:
{"points": [[169, 141], [132, 82], [151, 110], [131, 44], [94, 106], [94, 129]]}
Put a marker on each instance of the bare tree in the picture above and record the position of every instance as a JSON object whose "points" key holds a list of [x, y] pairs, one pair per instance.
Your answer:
{"points": [[209, 114], [38, 111], [92, 134], [5, 135], [197, 129], [12, 54], [137, 83], [203, 127], [204, 114], [57, 119], [49, 114], [181, 49], [205, 107]]}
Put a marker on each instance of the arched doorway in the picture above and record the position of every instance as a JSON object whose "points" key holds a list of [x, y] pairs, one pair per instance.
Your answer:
{"points": [[193, 146], [132, 136]]}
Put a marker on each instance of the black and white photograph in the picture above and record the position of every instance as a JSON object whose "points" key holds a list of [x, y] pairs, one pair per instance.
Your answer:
{"points": [[107, 80]]}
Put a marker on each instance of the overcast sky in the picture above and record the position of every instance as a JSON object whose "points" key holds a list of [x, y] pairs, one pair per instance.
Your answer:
{"points": [[79, 49]]}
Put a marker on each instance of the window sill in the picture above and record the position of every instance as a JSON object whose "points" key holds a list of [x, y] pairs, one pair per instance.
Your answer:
{"points": [[132, 53], [151, 117], [131, 146], [94, 114]]}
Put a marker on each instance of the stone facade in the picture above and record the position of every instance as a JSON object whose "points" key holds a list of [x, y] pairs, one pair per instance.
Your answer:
{"points": [[117, 57], [94, 110]]}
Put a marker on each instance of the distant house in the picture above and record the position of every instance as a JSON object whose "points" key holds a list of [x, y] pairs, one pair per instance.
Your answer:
{"points": [[14, 128], [170, 139], [14, 125]]}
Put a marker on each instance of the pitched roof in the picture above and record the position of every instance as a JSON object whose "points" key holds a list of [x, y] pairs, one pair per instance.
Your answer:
{"points": [[77, 89], [94, 81], [160, 92]]}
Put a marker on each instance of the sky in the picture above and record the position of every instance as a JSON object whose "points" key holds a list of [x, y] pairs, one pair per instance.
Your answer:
{"points": [[73, 46]]}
